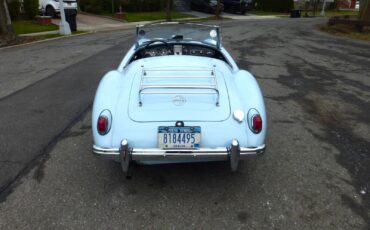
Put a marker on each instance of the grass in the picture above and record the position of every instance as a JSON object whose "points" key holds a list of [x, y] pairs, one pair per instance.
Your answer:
{"points": [[27, 27], [151, 16], [346, 31]]}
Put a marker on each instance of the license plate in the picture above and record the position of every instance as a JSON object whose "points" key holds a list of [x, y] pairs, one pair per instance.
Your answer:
{"points": [[170, 137]]}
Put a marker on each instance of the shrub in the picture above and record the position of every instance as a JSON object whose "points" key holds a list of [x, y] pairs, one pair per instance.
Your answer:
{"points": [[144, 5], [275, 5], [14, 7], [95, 9], [97, 6], [31, 8]]}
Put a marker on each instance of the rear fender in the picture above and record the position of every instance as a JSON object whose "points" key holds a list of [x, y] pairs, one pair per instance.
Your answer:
{"points": [[251, 97], [106, 98]]}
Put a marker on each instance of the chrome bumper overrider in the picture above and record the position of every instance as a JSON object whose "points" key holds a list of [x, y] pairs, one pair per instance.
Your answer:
{"points": [[126, 154]]}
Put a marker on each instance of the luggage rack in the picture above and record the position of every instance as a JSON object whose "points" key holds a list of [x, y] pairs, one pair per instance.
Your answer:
{"points": [[205, 73]]}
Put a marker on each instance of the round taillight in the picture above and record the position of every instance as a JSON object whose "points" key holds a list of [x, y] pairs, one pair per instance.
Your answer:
{"points": [[256, 123], [102, 125]]}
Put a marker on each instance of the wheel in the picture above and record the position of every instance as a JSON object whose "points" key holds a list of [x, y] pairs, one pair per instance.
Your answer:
{"points": [[50, 11]]}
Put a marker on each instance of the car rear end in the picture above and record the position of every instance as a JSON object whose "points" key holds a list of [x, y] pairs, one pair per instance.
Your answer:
{"points": [[178, 113]]}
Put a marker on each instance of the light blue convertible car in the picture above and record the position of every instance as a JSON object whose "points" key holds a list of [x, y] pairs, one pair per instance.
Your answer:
{"points": [[178, 96]]}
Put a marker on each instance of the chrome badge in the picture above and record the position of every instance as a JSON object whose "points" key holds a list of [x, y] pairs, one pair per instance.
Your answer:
{"points": [[179, 100]]}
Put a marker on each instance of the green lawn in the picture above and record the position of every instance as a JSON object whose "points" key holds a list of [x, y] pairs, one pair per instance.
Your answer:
{"points": [[151, 16], [26, 27]]}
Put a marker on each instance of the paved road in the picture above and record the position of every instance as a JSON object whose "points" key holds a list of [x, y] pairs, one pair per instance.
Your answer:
{"points": [[314, 175], [45, 87], [23, 65]]}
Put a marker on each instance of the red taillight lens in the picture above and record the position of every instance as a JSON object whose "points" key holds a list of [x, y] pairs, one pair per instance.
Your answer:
{"points": [[257, 123], [102, 125]]}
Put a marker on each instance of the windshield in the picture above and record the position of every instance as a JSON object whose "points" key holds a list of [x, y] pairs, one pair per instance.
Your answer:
{"points": [[175, 31]]}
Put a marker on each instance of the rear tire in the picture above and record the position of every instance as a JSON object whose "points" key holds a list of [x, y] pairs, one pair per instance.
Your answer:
{"points": [[50, 11]]}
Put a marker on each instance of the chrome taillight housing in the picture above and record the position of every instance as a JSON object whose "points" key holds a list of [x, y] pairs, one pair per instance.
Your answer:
{"points": [[255, 122], [104, 122]]}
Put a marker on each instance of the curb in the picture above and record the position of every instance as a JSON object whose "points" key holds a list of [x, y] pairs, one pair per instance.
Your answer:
{"points": [[45, 40], [39, 33]]}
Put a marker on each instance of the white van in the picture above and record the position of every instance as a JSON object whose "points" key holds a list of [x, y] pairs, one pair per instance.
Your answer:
{"points": [[51, 7]]}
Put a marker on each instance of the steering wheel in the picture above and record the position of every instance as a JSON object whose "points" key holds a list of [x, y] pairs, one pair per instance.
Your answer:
{"points": [[154, 41]]}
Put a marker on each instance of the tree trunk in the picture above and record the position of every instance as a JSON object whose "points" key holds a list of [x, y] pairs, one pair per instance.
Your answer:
{"points": [[218, 9], [364, 14], [314, 9], [6, 32], [169, 10]]}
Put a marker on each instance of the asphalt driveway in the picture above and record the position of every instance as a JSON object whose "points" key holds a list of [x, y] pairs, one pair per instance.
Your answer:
{"points": [[90, 22], [314, 175]]}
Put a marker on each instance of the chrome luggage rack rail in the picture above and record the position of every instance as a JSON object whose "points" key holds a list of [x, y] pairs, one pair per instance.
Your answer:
{"points": [[206, 73]]}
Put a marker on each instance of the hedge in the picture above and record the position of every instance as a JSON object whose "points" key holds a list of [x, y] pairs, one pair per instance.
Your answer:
{"points": [[275, 5], [99, 6], [31, 7], [14, 7]]}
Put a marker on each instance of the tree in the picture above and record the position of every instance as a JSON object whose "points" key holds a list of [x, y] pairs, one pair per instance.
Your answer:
{"points": [[218, 9], [6, 32], [315, 4], [168, 10], [364, 13], [275, 5], [14, 7], [31, 7]]}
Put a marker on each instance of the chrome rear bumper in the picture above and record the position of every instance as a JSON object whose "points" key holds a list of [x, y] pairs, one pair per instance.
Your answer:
{"points": [[234, 153], [196, 154]]}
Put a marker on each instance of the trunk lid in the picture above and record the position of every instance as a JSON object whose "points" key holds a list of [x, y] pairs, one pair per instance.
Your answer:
{"points": [[179, 94]]}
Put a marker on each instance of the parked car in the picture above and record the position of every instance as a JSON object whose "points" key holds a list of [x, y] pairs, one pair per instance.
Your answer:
{"points": [[208, 6], [178, 96], [237, 6], [51, 7]]}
